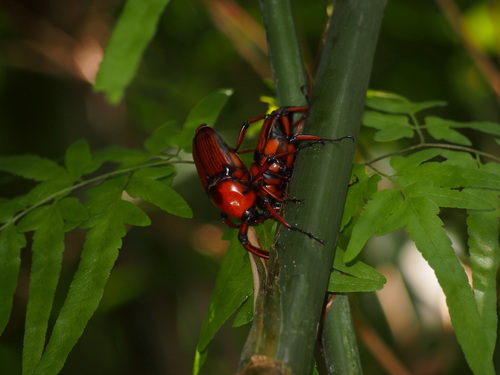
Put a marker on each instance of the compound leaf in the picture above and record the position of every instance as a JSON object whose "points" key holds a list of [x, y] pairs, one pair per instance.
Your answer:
{"points": [[126, 157], [11, 243], [386, 204], [31, 167], [400, 105], [482, 126], [361, 189], [131, 35], [391, 127], [79, 159], [355, 277], [484, 249], [445, 197], [165, 136], [47, 250], [205, 112], [425, 229], [233, 287], [452, 176], [99, 254], [410, 162], [158, 192], [441, 129]]}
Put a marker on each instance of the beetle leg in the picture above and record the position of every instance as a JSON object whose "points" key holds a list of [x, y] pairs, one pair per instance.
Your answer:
{"points": [[282, 221], [243, 130], [227, 221], [243, 237], [316, 139], [274, 196]]}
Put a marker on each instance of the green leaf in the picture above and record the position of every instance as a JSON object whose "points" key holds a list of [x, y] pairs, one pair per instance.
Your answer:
{"points": [[31, 221], [340, 283], [126, 157], [160, 172], [482, 126], [386, 204], [165, 136], [199, 360], [11, 242], [99, 254], [441, 129], [444, 197], [73, 212], [355, 277], [391, 127], [101, 196], [48, 190], [31, 167], [131, 35], [133, 215], [159, 193], [361, 189], [205, 112], [400, 105], [410, 162], [79, 159], [244, 314], [233, 286], [484, 252], [460, 158], [450, 175], [425, 229], [47, 249], [9, 207]]}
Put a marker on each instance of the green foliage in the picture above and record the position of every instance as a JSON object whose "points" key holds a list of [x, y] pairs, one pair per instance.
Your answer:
{"points": [[232, 288], [131, 35], [430, 177], [425, 178], [78, 195], [11, 242]]}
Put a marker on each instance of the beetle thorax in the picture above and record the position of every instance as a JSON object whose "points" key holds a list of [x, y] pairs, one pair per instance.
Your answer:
{"points": [[234, 198]]}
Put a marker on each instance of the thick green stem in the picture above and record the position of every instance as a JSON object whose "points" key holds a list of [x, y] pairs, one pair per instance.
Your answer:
{"points": [[285, 327]]}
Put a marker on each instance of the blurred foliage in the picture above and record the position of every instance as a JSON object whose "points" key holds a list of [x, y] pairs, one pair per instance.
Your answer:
{"points": [[158, 294]]}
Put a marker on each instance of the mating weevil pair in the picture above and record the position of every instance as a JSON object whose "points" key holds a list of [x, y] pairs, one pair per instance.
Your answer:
{"points": [[253, 195]]}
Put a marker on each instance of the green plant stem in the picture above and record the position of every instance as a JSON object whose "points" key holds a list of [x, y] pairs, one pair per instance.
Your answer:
{"points": [[284, 331], [444, 146], [337, 338], [284, 51], [90, 181]]}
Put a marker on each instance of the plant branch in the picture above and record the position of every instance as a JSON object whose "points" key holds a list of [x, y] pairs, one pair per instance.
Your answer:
{"points": [[86, 183], [445, 146]]}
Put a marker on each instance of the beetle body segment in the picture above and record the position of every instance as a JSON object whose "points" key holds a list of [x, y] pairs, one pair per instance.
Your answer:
{"points": [[222, 173], [234, 198], [214, 159]]}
